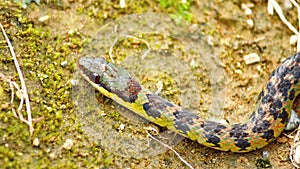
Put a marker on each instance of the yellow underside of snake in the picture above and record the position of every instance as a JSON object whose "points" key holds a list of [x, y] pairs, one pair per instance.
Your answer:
{"points": [[265, 124]]}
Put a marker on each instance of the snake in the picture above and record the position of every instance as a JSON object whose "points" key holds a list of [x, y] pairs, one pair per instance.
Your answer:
{"points": [[265, 124]]}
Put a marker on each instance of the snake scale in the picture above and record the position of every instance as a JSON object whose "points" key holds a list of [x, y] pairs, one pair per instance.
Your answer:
{"points": [[265, 124]]}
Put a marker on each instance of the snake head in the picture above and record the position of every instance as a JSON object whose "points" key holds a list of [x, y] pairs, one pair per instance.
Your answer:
{"points": [[113, 78]]}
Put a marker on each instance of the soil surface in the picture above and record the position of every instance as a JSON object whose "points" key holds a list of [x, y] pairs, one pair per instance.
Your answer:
{"points": [[75, 130]]}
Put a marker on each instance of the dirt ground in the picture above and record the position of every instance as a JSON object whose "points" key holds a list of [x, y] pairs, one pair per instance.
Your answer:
{"points": [[50, 37]]}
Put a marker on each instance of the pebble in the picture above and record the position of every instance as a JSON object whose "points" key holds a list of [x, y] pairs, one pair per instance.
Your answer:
{"points": [[265, 154], [238, 71], [52, 156], [68, 144], [44, 18], [122, 4], [159, 86], [247, 7], [251, 58], [71, 32], [122, 127], [258, 68], [74, 82], [36, 142], [64, 63], [250, 23], [293, 121]]}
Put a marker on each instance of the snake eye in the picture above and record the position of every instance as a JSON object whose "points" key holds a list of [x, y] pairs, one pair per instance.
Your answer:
{"points": [[95, 78]]}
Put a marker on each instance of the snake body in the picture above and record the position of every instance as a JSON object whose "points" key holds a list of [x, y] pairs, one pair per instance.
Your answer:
{"points": [[265, 124]]}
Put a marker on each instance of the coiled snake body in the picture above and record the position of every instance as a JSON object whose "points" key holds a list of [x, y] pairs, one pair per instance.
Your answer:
{"points": [[264, 125]]}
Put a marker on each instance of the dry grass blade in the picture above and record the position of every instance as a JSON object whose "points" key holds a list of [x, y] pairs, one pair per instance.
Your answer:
{"points": [[170, 148], [22, 91], [132, 37], [294, 151], [272, 4]]}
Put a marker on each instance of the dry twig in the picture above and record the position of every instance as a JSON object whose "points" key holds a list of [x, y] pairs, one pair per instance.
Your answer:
{"points": [[170, 148], [132, 37], [294, 151], [22, 91], [272, 4]]}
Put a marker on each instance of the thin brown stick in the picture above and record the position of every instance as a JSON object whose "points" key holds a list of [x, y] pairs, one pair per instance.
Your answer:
{"points": [[170, 148], [298, 10], [272, 4], [23, 91]]}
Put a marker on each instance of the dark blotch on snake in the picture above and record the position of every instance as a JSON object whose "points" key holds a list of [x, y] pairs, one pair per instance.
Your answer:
{"points": [[292, 94], [269, 135], [261, 94], [243, 144], [274, 108], [156, 103], [284, 86], [183, 119], [151, 112], [130, 93], [183, 127], [261, 126], [237, 131], [284, 116], [267, 99], [271, 89], [132, 90], [213, 139], [214, 127]]}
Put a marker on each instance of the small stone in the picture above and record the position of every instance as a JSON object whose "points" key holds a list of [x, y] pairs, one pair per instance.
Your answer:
{"points": [[293, 39], [159, 86], [122, 4], [64, 63], [71, 32], [238, 71], [210, 40], [193, 64], [293, 121], [251, 58], [68, 144], [44, 18], [74, 82], [52, 156], [258, 68], [36, 142], [63, 106], [250, 23], [265, 154], [248, 11], [122, 127]]}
